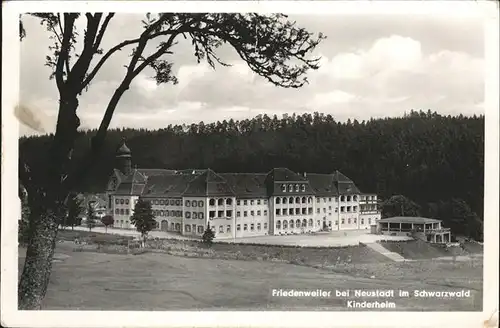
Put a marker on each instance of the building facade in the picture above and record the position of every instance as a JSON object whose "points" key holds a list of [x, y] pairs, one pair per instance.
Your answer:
{"points": [[236, 205]]}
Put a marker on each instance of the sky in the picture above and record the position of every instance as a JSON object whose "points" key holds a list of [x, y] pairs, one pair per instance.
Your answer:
{"points": [[371, 66]]}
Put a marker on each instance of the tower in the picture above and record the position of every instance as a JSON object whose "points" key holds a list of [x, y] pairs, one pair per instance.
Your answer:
{"points": [[124, 159]]}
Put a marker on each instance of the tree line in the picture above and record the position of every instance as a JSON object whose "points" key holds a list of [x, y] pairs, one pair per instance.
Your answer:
{"points": [[427, 157]]}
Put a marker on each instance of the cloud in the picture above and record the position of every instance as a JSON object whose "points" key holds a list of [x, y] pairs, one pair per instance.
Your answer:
{"points": [[369, 67]]}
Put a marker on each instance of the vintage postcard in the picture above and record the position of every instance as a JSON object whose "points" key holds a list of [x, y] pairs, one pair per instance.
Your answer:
{"points": [[250, 164]]}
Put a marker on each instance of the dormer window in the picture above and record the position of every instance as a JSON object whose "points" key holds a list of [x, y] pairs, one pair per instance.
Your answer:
{"points": [[303, 188], [290, 188], [296, 187], [283, 187]]}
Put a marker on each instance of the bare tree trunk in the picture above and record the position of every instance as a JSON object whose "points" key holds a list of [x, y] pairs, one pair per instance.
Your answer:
{"points": [[38, 263]]}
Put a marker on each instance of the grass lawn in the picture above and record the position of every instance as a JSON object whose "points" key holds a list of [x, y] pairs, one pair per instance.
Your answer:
{"points": [[159, 281]]}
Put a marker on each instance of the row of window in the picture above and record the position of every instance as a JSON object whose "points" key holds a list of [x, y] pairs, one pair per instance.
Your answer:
{"points": [[195, 215], [220, 201], [292, 188], [169, 213], [368, 197], [172, 202], [121, 211], [298, 223], [252, 202], [367, 207], [292, 211], [252, 213], [194, 203], [220, 214], [290, 200], [343, 209], [122, 201], [189, 227], [252, 227], [173, 226]]}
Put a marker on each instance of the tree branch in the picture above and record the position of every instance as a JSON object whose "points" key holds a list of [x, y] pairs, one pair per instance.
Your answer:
{"points": [[64, 51], [101, 31]]}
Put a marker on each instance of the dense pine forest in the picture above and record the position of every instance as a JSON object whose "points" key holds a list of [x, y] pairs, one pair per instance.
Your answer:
{"points": [[429, 158]]}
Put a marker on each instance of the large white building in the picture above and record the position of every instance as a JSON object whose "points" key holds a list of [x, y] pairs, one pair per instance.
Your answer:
{"points": [[236, 205]]}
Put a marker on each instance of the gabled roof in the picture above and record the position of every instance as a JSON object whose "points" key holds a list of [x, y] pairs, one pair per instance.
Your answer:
{"points": [[322, 184], [166, 185], [208, 183], [408, 219], [345, 186], [247, 184], [156, 172]]}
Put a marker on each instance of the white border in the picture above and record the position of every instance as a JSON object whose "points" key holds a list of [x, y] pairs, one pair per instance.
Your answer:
{"points": [[10, 130]]}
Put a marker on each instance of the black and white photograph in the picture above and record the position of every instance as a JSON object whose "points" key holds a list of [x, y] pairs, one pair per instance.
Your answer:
{"points": [[269, 163]]}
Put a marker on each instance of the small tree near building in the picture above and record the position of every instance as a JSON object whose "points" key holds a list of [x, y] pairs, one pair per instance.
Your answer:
{"points": [[208, 236], [75, 209], [107, 220], [143, 219], [90, 217]]}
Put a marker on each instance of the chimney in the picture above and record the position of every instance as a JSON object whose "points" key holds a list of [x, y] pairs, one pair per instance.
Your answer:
{"points": [[305, 175]]}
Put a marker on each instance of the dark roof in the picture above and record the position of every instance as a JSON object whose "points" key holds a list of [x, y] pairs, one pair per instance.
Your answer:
{"points": [[322, 184], [205, 182], [408, 219], [247, 184], [208, 183]]}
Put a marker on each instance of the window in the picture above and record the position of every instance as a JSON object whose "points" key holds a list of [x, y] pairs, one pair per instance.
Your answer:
{"points": [[195, 215], [303, 188], [251, 227], [290, 200], [126, 201], [245, 213], [278, 224], [283, 187], [238, 202], [211, 214], [229, 213], [187, 228], [265, 201], [304, 200], [354, 208], [117, 201], [362, 221], [211, 202], [336, 222], [252, 213], [162, 213], [122, 212], [348, 198], [291, 224], [290, 188], [310, 222], [157, 202], [258, 201], [229, 201], [117, 211], [318, 210], [200, 229], [220, 201], [252, 202], [258, 226], [200, 203], [278, 211], [324, 199], [221, 229], [122, 201], [355, 220], [348, 208], [265, 212], [369, 220], [342, 198], [343, 221], [178, 202], [238, 213], [304, 210], [220, 214], [245, 227], [354, 198], [285, 224], [172, 226], [284, 200], [324, 210], [342, 209], [336, 209], [304, 223], [309, 200], [297, 200], [296, 187], [194, 203], [200, 215], [265, 225], [318, 223], [330, 224], [258, 213], [188, 203], [278, 200], [349, 221], [310, 210], [228, 228], [188, 215], [167, 213], [162, 202], [245, 202], [238, 227], [285, 211]]}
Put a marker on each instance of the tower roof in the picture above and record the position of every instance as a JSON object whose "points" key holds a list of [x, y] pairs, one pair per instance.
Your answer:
{"points": [[123, 150]]}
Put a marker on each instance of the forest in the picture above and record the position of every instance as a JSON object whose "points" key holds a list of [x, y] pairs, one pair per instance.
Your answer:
{"points": [[429, 158]]}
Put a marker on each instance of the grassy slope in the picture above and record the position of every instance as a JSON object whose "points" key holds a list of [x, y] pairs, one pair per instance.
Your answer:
{"points": [[417, 249]]}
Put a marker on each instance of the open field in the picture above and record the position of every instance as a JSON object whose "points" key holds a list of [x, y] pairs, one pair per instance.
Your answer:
{"points": [[332, 238], [159, 281]]}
